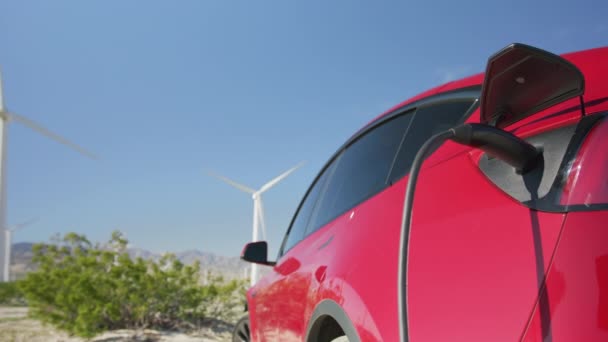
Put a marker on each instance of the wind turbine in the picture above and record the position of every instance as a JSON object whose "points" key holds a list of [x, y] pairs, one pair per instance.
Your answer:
{"points": [[8, 235], [5, 118], [258, 207]]}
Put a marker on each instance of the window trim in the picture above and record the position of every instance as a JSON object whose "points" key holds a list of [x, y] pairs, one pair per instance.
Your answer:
{"points": [[391, 178], [371, 194], [470, 92], [325, 167]]}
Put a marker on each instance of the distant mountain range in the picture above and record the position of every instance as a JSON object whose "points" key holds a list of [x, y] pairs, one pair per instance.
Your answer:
{"points": [[229, 267]]}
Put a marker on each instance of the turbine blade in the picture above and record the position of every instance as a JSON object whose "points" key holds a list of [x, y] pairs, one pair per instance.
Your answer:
{"points": [[38, 128], [233, 183], [279, 178], [261, 217], [24, 224]]}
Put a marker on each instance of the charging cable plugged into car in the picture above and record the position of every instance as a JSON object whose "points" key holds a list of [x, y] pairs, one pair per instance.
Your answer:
{"points": [[496, 142], [550, 79]]}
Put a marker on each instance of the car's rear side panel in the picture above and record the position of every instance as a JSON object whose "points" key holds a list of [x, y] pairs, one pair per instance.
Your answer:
{"points": [[574, 306], [475, 266]]}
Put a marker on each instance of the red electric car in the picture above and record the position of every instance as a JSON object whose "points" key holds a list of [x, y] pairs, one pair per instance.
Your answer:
{"points": [[493, 252]]}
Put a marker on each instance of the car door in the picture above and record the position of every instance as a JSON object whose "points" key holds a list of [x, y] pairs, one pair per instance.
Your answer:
{"points": [[280, 297], [477, 256], [368, 236], [358, 172]]}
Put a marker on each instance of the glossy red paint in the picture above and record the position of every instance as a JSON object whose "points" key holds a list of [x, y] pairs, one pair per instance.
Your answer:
{"points": [[475, 267], [587, 183], [478, 261], [574, 305]]}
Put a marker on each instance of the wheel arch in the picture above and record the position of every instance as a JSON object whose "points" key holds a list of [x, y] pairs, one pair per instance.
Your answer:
{"points": [[328, 309]]}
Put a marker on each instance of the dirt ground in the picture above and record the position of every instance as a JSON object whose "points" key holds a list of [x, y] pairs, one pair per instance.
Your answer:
{"points": [[15, 326]]}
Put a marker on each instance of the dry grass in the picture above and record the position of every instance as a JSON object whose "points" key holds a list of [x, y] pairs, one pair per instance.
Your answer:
{"points": [[15, 326]]}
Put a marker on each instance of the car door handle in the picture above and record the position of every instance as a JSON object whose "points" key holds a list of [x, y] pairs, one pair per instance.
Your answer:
{"points": [[326, 243]]}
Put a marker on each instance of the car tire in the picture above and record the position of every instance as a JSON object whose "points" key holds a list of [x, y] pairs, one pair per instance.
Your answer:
{"points": [[241, 332], [340, 339]]}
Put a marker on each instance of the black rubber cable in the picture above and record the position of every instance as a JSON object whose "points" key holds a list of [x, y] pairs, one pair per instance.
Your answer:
{"points": [[405, 227]]}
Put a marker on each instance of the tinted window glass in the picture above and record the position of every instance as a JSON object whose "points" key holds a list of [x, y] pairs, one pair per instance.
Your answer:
{"points": [[427, 122], [361, 171], [300, 222]]}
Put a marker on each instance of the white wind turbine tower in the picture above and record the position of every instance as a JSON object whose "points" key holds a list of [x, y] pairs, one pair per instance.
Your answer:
{"points": [[5, 118], [8, 235], [258, 208]]}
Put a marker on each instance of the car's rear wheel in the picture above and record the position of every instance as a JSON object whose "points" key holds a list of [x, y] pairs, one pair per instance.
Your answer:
{"points": [[241, 331]]}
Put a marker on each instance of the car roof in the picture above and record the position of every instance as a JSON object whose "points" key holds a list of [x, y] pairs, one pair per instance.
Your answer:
{"points": [[588, 60]]}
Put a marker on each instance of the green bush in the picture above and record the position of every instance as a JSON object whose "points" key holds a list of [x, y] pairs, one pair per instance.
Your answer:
{"points": [[85, 289], [224, 299], [10, 294]]}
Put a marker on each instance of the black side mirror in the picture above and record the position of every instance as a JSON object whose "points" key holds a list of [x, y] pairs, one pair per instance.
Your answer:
{"points": [[257, 253]]}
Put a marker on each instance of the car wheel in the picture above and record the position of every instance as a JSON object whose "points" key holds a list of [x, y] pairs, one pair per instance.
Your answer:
{"points": [[241, 331], [340, 339]]}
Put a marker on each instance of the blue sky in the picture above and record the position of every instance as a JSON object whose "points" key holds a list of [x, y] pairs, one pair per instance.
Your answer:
{"points": [[163, 91]]}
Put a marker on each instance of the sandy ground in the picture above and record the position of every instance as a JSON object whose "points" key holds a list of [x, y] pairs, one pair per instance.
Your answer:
{"points": [[15, 326]]}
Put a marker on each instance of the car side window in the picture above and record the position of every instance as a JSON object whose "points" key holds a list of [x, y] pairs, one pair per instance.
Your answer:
{"points": [[300, 222], [361, 170], [428, 121]]}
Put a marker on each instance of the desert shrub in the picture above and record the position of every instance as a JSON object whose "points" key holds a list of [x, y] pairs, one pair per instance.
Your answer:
{"points": [[85, 289], [224, 299], [10, 294]]}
